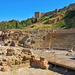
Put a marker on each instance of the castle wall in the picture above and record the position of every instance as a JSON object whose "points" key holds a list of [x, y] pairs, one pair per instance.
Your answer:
{"points": [[70, 7], [38, 15], [42, 14], [48, 13], [64, 9]]}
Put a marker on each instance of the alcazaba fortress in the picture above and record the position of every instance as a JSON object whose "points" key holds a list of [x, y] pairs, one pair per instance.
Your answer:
{"points": [[66, 8]]}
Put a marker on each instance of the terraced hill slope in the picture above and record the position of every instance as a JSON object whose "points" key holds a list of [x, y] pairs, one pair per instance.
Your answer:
{"points": [[64, 20]]}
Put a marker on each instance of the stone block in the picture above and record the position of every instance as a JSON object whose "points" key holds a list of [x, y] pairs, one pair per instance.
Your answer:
{"points": [[11, 52], [14, 43], [3, 53], [5, 69], [3, 63], [42, 58], [41, 64], [11, 62], [21, 45]]}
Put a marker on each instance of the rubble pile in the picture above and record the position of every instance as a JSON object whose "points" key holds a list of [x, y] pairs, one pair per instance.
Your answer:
{"points": [[14, 57]]}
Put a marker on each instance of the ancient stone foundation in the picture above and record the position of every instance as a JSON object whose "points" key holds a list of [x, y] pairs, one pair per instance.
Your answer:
{"points": [[39, 63], [41, 39]]}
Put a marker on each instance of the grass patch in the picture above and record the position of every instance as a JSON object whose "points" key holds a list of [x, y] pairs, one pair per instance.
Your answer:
{"points": [[45, 18], [60, 24], [67, 22]]}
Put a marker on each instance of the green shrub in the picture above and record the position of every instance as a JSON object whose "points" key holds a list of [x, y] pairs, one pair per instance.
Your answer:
{"points": [[45, 18], [60, 24]]}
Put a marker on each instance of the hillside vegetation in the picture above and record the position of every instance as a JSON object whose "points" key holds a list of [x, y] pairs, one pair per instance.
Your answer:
{"points": [[64, 20], [15, 24]]}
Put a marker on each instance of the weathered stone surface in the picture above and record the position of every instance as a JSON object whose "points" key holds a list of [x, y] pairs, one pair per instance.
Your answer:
{"points": [[21, 45], [41, 63], [71, 50], [3, 63], [11, 52], [54, 38], [28, 52], [14, 43], [5, 69], [3, 53], [42, 58], [26, 45], [11, 62]]}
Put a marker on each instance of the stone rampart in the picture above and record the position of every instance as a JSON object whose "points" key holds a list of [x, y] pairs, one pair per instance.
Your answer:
{"points": [[66, 8]]}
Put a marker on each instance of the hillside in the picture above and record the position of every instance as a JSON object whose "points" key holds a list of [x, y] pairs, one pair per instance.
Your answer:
{"points": [[64, 20]]}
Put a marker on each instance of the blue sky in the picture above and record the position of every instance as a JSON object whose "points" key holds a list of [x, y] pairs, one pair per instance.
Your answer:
{"points": [[23, 9]]}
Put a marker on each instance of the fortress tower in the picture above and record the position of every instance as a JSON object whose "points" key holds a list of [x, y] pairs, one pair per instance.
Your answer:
{"points": [[38, 15]]}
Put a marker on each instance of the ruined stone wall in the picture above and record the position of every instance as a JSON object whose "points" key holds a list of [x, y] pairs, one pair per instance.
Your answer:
{"points": [[64, 9], [45, 38], [63, 40], [39, 14], [49, 13], [48, 38]]}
